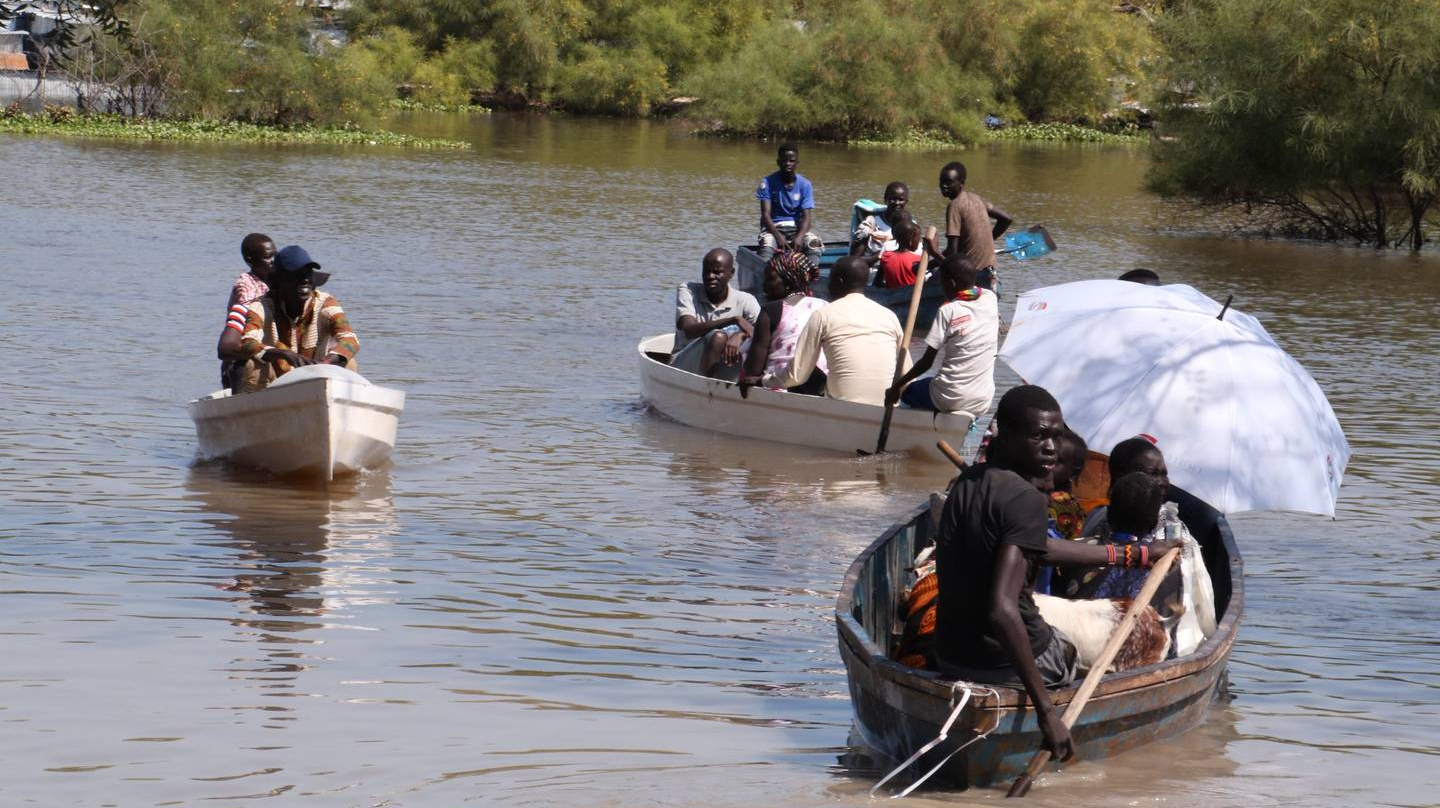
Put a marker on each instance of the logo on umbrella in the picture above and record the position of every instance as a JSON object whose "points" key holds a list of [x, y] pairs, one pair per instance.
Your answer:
{"points": [[1038, 305]]}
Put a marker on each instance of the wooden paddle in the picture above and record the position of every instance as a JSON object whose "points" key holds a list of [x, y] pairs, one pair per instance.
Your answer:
{"points": [[950, 454], [904, 348], [1092, 679]]}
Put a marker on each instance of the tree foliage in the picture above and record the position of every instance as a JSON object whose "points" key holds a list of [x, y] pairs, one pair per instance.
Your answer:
{"points": [[849, 70], [1320, 116], [257, 61], [826, 68]]}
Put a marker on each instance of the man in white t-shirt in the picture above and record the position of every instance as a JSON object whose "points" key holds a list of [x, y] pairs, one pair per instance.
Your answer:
{"points": [[968, 329], [713, 319]]}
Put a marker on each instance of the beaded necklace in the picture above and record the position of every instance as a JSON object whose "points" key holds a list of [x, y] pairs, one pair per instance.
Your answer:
{"points": [[973, 293]]}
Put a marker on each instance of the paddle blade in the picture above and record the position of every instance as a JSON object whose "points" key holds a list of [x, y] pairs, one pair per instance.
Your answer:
{"points": [[1032, 242]]}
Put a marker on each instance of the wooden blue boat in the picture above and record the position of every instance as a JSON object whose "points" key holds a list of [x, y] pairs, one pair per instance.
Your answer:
{"points": [[899, 709]]}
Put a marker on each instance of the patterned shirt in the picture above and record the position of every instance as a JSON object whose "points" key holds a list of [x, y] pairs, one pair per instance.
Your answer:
{"points": [[322, 329], [247, 290]]}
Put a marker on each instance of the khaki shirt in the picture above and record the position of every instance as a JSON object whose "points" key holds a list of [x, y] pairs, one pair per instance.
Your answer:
{"points": [[966, 216]]}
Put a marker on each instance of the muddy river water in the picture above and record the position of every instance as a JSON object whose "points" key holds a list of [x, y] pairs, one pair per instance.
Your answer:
{"points": [[553, 595]]}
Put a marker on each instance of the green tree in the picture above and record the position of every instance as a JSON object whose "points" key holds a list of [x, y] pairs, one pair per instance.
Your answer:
{"points": [[1319, 117], [863, 73], [257, 61], [1069, 56]]}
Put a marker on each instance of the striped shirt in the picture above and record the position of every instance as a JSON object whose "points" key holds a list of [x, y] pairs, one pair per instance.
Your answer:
{"points": [[247, 290], [322, 329]]}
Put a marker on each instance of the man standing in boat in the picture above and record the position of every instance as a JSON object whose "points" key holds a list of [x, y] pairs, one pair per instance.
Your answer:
{"points": [[786, 199], [968, 231], [991, 541], [295, 324], [713, 319]]}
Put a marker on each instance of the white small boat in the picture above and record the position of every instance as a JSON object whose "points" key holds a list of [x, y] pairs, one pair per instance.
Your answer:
{"points": [[824, 423], [317, 420]]}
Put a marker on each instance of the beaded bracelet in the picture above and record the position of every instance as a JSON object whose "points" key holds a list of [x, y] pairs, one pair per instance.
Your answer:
{"points": [[1129, 555], [1144, 556], [1110, 551]]}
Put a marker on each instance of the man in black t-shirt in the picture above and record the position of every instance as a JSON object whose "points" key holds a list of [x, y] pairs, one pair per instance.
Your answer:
{"points": [[991, 541]]}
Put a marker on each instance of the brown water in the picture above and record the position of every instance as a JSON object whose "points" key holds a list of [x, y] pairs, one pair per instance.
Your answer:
{"points": [[554, 596]]}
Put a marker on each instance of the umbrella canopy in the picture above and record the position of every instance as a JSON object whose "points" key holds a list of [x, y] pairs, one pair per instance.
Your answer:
{"points": [[1243, 426]]}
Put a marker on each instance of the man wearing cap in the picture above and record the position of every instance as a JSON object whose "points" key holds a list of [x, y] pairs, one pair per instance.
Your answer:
{"points": [[296, 323]]}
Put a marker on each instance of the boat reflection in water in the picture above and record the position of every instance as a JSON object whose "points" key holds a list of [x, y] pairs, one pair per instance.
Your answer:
{"points": [[306, 559]]}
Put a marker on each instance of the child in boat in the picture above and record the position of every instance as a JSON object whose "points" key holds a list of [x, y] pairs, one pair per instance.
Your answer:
{"points": [[968, 328], [875, 233], [1066, 516], [258, 250], [899, 266]]}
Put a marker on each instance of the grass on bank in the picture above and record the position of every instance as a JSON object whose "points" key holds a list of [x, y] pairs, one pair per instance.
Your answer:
{"points": [[411, 105], [124, 128], [1025, 132]]}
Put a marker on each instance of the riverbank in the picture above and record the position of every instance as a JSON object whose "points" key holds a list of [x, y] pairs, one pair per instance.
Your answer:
{"points": [[932, 140], [65, 124], [1023, 133]]}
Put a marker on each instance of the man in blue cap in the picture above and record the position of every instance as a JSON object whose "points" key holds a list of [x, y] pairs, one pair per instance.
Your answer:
{"points": [[296, 323]]}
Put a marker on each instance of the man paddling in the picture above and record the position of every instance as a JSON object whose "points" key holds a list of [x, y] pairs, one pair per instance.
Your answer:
{"points": [[858, 336], [967, 328], [295, 324], [991, 541]]}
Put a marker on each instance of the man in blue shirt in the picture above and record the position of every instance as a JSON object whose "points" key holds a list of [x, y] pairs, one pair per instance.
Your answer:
{"points": [[786, 199]]}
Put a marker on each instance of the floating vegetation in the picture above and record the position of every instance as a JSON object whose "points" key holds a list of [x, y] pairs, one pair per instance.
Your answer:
{"points": [[1066, 132], [62, 121], [411, 105], [1044, 132]]}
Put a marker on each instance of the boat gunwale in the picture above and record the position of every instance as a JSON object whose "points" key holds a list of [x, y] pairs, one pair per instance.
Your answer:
{"points": [[816, 406], [385, 400]]}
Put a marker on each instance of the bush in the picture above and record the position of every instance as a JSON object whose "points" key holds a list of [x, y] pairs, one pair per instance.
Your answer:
{"points": [[627, 82], [205, 59], [865, 75], [1068, 57], [1321, 118]]}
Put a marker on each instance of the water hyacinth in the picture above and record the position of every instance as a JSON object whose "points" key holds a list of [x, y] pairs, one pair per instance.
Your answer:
{"points": [[125, 128], [1031, 132], [1065, 132]]}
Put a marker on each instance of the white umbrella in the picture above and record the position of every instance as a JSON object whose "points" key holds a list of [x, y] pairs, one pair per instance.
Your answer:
{"points": [[1243, 426]]}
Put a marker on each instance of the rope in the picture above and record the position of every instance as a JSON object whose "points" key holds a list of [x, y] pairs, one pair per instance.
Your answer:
{"points": [[969, 690]]}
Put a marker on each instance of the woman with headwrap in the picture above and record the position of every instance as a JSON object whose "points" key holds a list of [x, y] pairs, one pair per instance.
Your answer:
{"points": [[788, 307]]}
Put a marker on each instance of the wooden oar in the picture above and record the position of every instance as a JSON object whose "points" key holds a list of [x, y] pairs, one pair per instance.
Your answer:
{"points": [[950, 454], [1092, 679], [904, 348]]}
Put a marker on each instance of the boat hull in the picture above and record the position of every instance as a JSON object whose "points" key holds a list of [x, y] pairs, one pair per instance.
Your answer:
{"points": [[822, 423], [899, 709], [320, 427]]}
